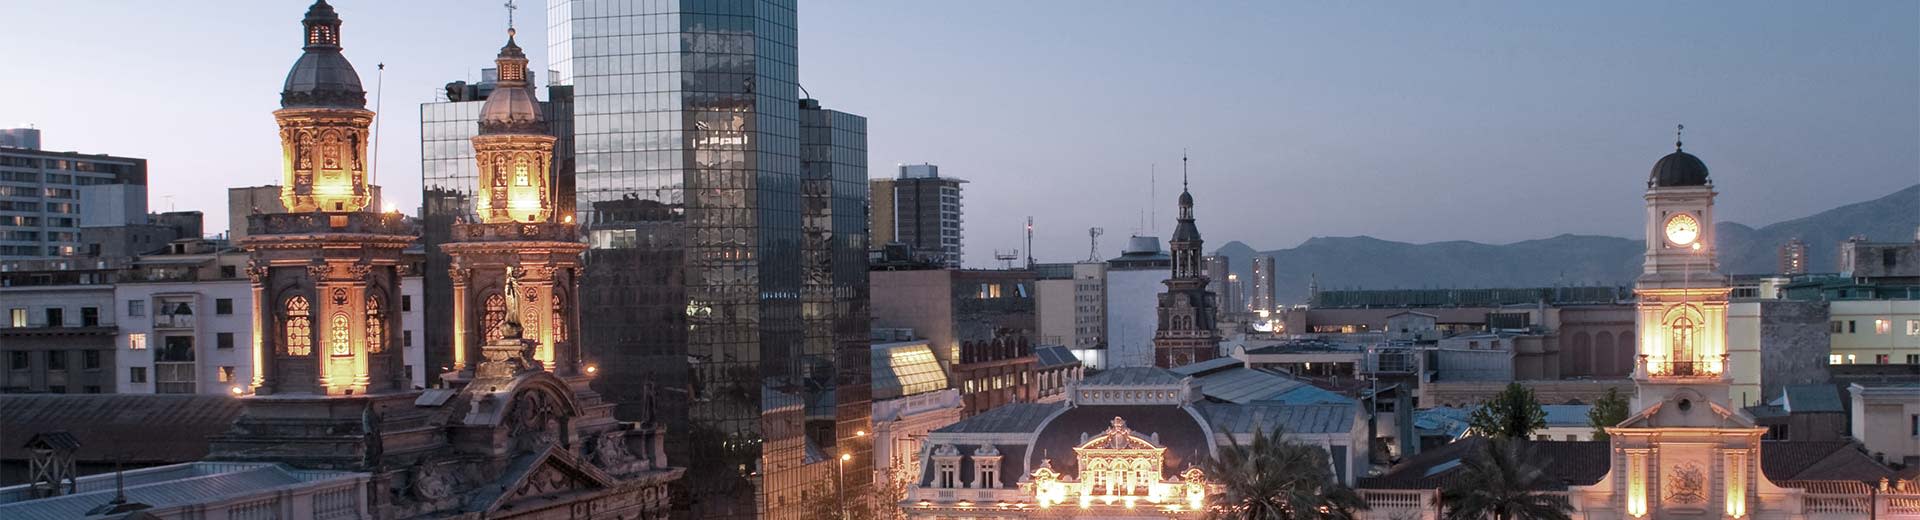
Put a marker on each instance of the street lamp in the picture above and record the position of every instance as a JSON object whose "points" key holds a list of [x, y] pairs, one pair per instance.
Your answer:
{"points": [[840, 485]]}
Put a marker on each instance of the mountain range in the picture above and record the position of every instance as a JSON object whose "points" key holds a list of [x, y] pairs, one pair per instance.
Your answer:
{"points": [[1364, 262]]}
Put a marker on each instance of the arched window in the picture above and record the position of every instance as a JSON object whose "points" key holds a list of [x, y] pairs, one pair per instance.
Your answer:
{"points": [[376, 325], [299, 327], [1682, 346], [340, 335], [496, 313]]}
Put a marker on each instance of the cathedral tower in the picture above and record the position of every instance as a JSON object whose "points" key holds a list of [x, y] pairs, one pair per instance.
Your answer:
{"points": [[323, 124], [1186, 332], [515, 270]]}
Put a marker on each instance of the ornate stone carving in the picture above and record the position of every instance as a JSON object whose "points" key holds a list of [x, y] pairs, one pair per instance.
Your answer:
{"points": [[359, 270], [319, 270], [535, 420], [257, 272]]}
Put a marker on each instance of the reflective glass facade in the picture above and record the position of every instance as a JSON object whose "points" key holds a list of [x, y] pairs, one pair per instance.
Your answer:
{"points": [[833, 153], [687, 139]]}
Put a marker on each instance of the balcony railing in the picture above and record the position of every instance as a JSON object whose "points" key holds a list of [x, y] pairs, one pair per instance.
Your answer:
{"points": [[1683, 368], [173, 321]]}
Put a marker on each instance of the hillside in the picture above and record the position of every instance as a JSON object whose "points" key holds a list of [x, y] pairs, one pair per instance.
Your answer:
{"points": [[1368, 263]]}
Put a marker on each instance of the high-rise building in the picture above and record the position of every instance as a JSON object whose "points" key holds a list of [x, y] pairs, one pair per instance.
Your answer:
{"points": [[47, 197], [1186, 332], [836, 296], [1793, 257], [27, 138], [1217, 268], [922, 210], [1262, 298], [689, 179]]}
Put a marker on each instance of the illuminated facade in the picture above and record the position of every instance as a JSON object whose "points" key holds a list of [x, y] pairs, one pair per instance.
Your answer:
{"points": [[1125, 443], [515, 268], [1688, 451]]}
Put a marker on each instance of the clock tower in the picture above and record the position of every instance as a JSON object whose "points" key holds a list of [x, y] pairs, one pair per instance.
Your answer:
{"points": [[1681, 323], [1186, 332]]}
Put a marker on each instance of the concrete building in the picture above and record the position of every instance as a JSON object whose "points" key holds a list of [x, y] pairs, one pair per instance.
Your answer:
{"points": [[921, 209], [1218, 269], [1054, 294], [47, 197], [58, 336], [980, 322], [1133, 287], [1886, 418], [1793, 257]]}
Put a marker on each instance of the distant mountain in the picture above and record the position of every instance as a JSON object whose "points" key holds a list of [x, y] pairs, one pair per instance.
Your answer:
{"points": [[1370, 263]]}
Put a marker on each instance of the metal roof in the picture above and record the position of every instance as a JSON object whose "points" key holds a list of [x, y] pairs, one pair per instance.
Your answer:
{"points": [[1008, 418], [1291, 418], [1206, 366], [1810, 399], [165, 428], [163, 487], [1054, 356], [1132, 376]]}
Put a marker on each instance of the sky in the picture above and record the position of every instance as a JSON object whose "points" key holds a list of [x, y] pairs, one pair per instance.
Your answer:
{"points": [[1414, 121]]}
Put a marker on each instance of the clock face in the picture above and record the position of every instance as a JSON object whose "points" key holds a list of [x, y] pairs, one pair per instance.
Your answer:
{"points": [[1683, 229]]}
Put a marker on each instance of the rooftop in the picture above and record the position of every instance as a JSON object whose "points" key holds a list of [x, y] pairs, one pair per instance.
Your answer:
{"points": [[132, 428], [1133, 376], [1568, 463], [1008, 418], [1289, 418], [165, 486]]}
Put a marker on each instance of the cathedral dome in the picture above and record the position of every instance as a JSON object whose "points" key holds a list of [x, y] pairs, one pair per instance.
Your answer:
{"points": [[511, 107], [1678, 169], [322, 77]]}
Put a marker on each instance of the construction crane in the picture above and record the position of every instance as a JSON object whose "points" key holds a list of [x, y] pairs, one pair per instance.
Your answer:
{"points": [[1093, 243]]}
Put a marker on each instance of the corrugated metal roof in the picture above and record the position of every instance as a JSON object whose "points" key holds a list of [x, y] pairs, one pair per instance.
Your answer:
{"points": [[1206, 366], [191, 483], [1132, 376], [1008, 418], [165, 428], [1811, 399], [1292, 418]]}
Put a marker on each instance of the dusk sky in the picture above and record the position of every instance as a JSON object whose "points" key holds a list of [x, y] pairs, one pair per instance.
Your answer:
{"points": [[1413, 121]]}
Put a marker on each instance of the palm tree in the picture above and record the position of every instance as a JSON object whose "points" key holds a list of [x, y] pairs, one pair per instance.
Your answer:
{"points": [[1276, 479], [1500, 482]]}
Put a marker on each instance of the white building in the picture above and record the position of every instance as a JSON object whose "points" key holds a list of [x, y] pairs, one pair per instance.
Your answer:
{"points": [[1133, 287], [185, 324], [1886, 418]]}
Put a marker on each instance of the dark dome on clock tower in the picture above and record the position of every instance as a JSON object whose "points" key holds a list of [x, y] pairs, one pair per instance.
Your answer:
{"points": [[322, 77], [1678, 169]]}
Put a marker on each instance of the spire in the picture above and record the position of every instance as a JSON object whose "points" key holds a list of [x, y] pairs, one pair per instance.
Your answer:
{"points": [[1183, 170], [1676, 136]]}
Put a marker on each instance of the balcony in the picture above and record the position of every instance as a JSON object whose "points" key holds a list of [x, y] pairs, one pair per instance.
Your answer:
{"points": [[1693, 368], [172, 321]]}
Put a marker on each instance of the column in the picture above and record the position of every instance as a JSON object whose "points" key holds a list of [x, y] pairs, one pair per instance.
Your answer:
{"points": [[459, 275]]}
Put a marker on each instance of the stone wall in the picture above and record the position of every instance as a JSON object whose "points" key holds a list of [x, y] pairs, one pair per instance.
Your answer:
{"points": [[1794, 343]]}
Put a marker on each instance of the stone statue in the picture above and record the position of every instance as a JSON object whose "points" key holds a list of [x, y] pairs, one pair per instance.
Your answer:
{"points": [[511, 329]]}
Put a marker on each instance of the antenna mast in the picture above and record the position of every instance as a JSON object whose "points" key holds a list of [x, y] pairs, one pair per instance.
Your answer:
{"points": [[379, 86], [1029, 241], [1153, 196], [1093, 243]]}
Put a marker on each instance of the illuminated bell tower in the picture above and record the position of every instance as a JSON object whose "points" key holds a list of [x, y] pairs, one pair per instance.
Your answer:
{"points": [[1682, 311], [1686, 452], [323, 124], [515, 267]]}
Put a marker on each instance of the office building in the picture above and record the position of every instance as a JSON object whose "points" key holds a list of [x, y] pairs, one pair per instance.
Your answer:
{"points": [[922, 210], [980, 322], [58, 333], [1261, 300], [25, 138], [835, 297], [1218, 268], [1134, 283], [1793, 257], [47, 197], [690, 182]]}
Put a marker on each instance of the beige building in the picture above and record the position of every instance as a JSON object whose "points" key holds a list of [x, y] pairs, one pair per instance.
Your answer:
{"points": [[1886, 418]]}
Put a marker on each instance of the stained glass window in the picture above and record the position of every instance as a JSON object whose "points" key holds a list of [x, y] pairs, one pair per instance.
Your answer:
{"points": [[299, 327], [341, 335], [376, 326]]}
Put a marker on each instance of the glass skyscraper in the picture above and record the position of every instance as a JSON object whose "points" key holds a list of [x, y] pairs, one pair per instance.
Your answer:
{"points": [[700, 303]]}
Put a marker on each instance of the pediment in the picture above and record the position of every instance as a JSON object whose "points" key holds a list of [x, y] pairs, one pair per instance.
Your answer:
{"points": [[543, 476], [1687, 409]]}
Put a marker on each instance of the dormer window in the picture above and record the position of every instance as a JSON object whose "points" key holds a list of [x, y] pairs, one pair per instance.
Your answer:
{"points": [[986, 467], [946, 467]]}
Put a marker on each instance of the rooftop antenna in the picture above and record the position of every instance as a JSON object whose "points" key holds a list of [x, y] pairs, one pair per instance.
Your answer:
{"points": [[1153, 196], [1183, 169], [1029, 241], [379, 86], [1093, 243]]}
